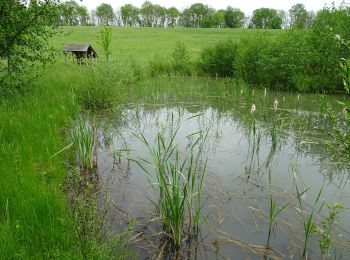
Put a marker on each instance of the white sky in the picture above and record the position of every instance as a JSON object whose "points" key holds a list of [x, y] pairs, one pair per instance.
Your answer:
{"points": [[247, 6]]}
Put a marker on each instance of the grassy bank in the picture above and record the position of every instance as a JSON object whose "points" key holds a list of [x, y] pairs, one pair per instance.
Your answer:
{"points": [[34, 220]]}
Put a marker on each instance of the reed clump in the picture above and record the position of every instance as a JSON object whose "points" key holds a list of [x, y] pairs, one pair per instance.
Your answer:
{"points": [[179, 181]]}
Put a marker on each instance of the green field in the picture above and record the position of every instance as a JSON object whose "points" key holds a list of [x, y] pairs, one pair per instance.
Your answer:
{"points": [[143, 43]]}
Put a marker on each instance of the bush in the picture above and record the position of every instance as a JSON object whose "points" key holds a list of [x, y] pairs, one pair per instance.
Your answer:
{"points": [[180, 60], [159, 65], [104, 85], [249, 58], [219, 60], [177, 64]]}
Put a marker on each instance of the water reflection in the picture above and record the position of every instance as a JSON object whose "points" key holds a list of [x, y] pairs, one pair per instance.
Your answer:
{"points": [[241, 149]]}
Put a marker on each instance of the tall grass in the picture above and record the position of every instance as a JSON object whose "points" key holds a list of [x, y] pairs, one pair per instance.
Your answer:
{"points": [[83, 137], [179, 181]]}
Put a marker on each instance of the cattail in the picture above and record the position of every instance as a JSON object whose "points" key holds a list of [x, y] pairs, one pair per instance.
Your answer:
{"points": [[298, 96], [283, 99], [253, 92], [275, 105], [253, 109], [265, 92]]}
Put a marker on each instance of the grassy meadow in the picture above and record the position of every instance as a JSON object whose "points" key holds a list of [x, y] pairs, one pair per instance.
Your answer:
{"points": [[35, 222], [144, 43]]}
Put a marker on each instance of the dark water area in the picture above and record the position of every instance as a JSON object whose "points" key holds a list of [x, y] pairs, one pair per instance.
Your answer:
{"points": [[242, 149]]}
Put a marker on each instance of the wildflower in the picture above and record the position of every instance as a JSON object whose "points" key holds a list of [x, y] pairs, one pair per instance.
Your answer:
{"points": [[253, 109]]}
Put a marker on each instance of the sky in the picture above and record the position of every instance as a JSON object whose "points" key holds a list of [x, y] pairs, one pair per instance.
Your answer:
{"points": [[247, 6]]}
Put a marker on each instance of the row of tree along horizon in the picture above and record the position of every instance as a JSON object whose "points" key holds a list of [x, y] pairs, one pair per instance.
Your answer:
{"points": [[197, 15]]}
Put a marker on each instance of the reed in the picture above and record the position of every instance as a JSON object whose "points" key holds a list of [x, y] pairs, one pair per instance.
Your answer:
{"points": [[83, 138], [309, 226], [273, 210], [179, 182]]}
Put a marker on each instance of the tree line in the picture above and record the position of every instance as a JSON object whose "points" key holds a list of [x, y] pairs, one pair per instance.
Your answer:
{"points": [[197, 15]]}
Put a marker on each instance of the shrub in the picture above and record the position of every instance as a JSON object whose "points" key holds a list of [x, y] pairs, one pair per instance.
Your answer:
{"points": [[250, 53], [180, 60], [104, 84], [159, 65], [219, 60], [177, 64]]}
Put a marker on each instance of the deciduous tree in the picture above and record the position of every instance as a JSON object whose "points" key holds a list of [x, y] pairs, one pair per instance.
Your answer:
{"points": [[105, 14], [25, 28], [266, 18]]}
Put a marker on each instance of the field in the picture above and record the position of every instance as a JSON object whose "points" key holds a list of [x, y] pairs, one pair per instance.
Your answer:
{"points": [[245, 133], [144, 43]]}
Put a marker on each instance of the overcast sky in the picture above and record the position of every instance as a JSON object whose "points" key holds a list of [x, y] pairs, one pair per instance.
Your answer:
{"points": [[248, 6]]}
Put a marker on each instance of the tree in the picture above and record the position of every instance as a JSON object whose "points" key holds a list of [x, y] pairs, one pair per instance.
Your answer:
{"points": [[266, 18], [173, 15], [68, 13], [83, 15], [298, 16], [147, 14], [105, 14], [219, 19], [24, 33], [234, 18], [186, 18], [106, 40], [129, 15], [199, 12]]}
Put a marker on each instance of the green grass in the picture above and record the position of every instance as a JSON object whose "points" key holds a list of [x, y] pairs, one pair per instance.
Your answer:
{"points": [[144, 43], [34, 220]]}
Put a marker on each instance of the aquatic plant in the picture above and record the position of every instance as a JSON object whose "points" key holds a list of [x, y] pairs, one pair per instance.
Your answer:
{"points": [[327, 226], [273, 211], [309, 226], [180, 184]]}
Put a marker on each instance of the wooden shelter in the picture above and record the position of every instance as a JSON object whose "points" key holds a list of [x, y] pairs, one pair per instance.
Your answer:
{"points": [[80, 52]]}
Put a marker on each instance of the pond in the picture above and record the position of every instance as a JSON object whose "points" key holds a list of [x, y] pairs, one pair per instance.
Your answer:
{"points": [[253, 158]]}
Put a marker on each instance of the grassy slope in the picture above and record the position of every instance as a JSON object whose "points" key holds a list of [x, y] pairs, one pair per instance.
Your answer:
{"points": [[143, 43], [33, 219]]}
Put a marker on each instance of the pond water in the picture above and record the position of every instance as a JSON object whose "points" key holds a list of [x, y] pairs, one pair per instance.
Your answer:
{"points": [[242, 149]]}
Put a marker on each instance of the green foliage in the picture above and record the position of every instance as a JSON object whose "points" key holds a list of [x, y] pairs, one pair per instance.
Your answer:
{"points": [[251, 52], [180, 60], [159, 65], [327, 226], [219, 60], [105, 14], [177, 64], [266, 18], [105, 84], [234, 18], [299, 16], [24, 34], [106, 40]]}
